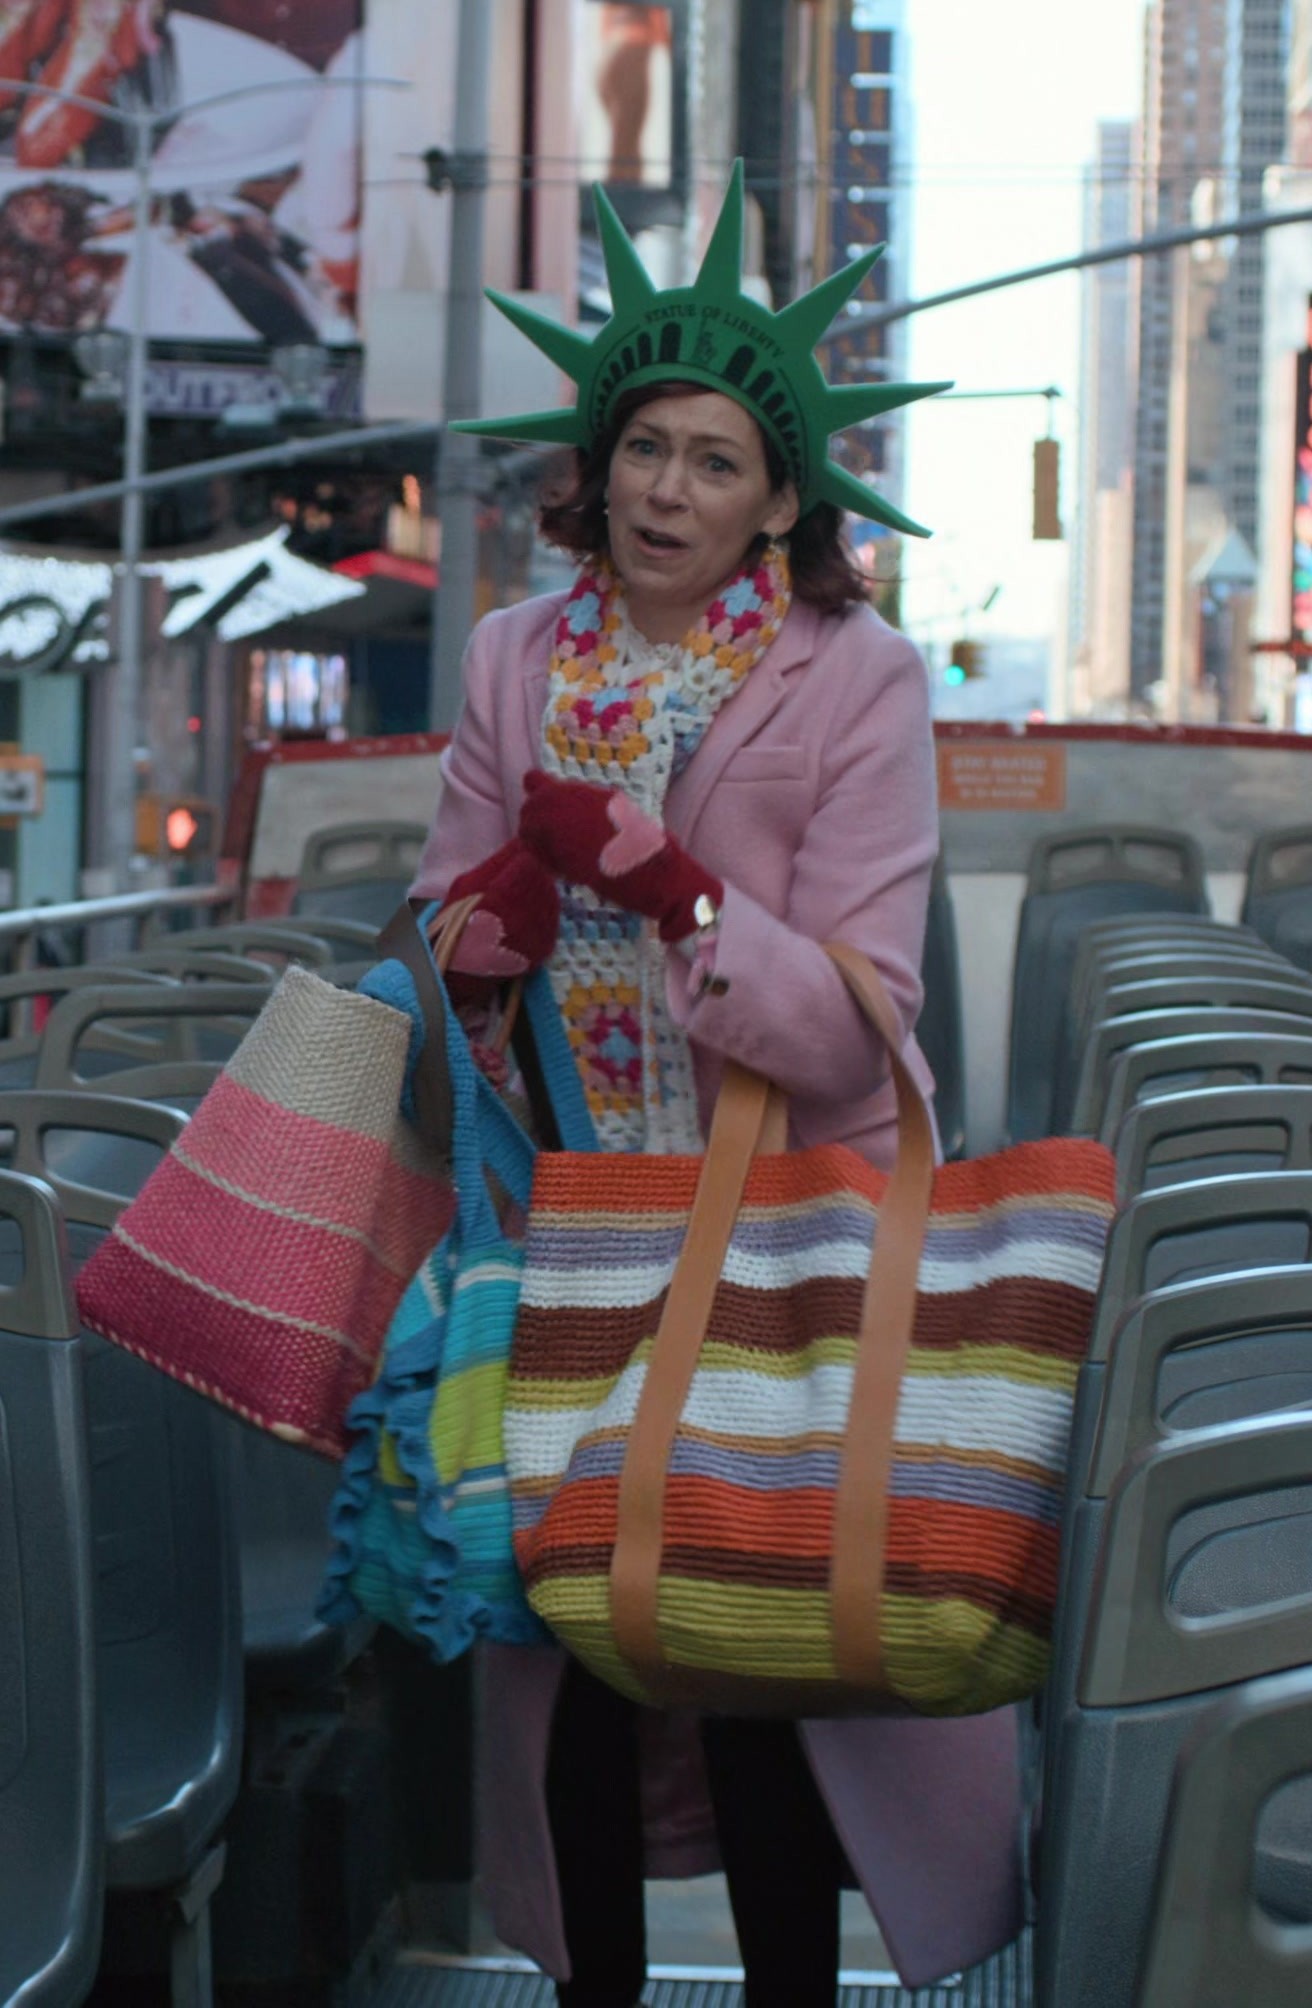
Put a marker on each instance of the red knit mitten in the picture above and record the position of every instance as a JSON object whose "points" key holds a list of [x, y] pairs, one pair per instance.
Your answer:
{"points": [[512, 929], [598, 837]]}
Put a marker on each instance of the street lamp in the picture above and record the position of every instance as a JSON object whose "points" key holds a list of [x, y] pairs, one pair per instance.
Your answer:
{"points": [[122, 712]]}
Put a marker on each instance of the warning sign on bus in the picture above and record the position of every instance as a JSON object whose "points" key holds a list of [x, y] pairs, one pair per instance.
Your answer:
{"points": [[1000, 774]]}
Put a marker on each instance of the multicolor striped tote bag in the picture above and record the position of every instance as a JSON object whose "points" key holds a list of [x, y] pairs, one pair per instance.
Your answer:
{"points": [[787, 1434], [421, 1518]]}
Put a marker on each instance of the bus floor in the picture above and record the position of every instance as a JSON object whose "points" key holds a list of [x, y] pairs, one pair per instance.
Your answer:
{"points": [[694, 1964], [1005, 1982]]}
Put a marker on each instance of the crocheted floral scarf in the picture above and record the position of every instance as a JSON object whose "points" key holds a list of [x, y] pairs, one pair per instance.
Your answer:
{"points": [[628, 713]]}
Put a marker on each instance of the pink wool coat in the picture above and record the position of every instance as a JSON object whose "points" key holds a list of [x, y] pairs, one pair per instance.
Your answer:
{"points": [[812, 797]]}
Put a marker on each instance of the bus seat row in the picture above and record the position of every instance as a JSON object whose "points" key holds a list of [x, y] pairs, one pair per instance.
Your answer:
{"points": [[1184, 1624], [194, 1547], [1079, 877]]}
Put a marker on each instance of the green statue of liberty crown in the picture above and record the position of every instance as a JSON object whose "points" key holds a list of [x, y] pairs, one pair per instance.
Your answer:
{"points": [[713, 334]]}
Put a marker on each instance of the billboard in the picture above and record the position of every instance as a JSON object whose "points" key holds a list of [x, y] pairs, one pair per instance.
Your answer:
{"points": [[630, 88], [254, 172], [1301, 571]]}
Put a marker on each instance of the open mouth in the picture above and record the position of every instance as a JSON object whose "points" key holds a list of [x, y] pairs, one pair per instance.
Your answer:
{"points": [[657, 541]]}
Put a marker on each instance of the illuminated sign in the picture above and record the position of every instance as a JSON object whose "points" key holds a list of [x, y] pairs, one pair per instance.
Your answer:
{"points": [[1301, 583]]}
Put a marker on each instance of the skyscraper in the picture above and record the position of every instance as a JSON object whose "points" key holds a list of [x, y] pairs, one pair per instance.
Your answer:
{"points": [[1100, 545], [1214, 120], [869, 204], [1181, 139], [1255, 132]]}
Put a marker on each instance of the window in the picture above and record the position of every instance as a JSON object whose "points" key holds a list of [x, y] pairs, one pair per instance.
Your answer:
{"points": [[875, 47]]}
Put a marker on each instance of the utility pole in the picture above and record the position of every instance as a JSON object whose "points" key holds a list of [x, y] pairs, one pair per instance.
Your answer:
{"points": [[458, 454], [111, 838]]}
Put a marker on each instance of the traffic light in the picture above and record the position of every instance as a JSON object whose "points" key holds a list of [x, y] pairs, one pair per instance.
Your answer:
{"points": [[1047, 485], [176, 828], [964, 662]]}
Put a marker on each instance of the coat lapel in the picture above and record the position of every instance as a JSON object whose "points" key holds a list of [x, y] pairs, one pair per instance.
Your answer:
{"points": [[740, 720]]}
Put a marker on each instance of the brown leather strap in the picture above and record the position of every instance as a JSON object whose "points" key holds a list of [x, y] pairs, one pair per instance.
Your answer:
{"points": [[888, 1311], [401, 940], [636, 1560], [738, 1129]]}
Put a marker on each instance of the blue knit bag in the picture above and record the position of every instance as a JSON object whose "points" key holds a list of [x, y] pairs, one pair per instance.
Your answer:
{"points": [[420, 1521]]}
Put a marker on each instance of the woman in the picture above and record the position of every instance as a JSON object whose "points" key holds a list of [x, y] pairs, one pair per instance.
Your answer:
{"points": [[672, 784]]}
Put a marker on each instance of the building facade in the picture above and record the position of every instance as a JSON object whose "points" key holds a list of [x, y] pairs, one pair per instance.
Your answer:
{"points": [[1100, 543], [1181, 136]]}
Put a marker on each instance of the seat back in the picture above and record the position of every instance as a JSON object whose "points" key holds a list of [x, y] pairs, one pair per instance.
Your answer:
{"points": [[1278, 892], [1113, 1036], [1213, 1133], [1118, 963], [1160, 933], [168, 1603], [1074, 879], [1182, 1234], [219, 1014], [1209, 1944], [51, 1823], [1215, 1058], [358, 871], [1203, 1580], [1209, 1228]]}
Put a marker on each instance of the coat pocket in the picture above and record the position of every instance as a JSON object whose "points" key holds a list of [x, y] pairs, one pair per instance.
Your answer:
{"points": [[766, 763]]}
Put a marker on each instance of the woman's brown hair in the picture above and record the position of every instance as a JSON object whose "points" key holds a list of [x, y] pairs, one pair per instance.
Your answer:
{"points": [[825, 573]]}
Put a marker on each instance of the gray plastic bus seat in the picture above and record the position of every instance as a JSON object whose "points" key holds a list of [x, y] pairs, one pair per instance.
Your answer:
{"points": [[1165, 933], [21, 989], [359, 871], [96, 1151], [1150, 960], [1213, 1133], [1180, 1234], [1278, 892], [51, 1817], [1209, 1944], [939, 1026], [1204, 1580], [1263, 987], [356, 937], [1124, 986], [223, 1011], [1112, 1036], [93, 1150], [1210, 1227], [283, 1499], [268, 942], [1217, 1350], [179, 960], [1075, 878], [1202, 1060], [168, 1592], [1182, 1359]]}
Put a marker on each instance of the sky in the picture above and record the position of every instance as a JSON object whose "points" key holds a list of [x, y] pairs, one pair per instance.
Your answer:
{"points": [[1007, 98]]}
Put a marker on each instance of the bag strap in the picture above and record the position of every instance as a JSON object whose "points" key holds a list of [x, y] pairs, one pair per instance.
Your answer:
{"points": [[742, 1114], [400, 940]]}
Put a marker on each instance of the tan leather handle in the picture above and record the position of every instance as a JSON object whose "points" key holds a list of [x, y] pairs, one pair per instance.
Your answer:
{"points": [[401, 938], [888, 1313]]}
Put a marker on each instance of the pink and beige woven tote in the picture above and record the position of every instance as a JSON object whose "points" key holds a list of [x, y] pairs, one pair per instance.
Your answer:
{"points": [[263, 1259]]}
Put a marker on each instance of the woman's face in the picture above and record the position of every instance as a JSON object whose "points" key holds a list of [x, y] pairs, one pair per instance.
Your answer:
{"points": [[687, 492]]}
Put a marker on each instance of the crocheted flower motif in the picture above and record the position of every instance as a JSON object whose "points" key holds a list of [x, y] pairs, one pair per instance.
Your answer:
{"points": [[582, 614], [741, 597]]}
